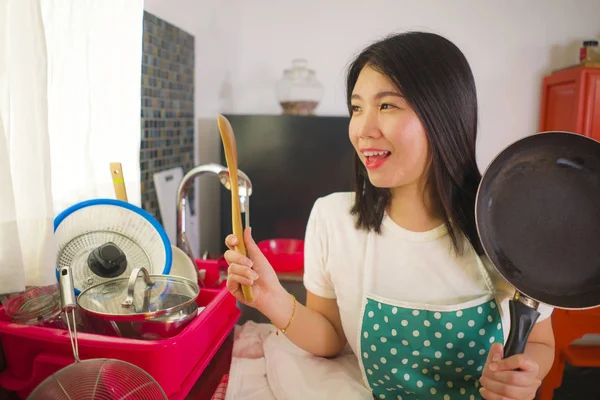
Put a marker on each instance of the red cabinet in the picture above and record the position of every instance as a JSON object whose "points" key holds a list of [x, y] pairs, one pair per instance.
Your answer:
{"points": [[571, 101]]}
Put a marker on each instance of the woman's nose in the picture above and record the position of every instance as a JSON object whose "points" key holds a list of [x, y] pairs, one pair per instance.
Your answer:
{"points": [[369, 127]]}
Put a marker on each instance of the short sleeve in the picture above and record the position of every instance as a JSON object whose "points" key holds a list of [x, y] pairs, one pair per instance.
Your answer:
{"points": [[316, 277], [545, 311]]}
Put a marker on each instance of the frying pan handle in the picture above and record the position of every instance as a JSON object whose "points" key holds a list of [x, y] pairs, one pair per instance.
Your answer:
{"points": [[522, 321]]}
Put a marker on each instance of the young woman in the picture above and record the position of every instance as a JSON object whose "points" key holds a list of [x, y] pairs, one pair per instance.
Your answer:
{"points": [[396, 269]]}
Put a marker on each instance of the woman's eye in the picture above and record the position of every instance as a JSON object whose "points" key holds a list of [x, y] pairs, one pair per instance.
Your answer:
{"points": [[355, 108], [386, 106]]}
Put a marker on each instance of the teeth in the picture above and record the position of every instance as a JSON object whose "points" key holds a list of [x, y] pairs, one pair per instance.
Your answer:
{"points": [[375, 153]]}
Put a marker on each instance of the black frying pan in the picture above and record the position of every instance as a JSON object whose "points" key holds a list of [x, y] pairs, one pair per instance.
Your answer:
{"points": [[538, 218]]}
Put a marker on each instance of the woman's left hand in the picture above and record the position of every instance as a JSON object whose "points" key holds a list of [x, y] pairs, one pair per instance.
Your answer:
{"points": [[513, 378]]}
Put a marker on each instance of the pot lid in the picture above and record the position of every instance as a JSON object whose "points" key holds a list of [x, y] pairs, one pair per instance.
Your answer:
{"points": [[129, 299]]}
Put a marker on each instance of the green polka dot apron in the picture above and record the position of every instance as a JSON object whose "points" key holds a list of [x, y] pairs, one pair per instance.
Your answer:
{"points": [[425, 351]]}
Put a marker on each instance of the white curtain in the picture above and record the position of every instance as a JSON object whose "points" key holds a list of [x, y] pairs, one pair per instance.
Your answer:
{"points": [[70, 76]]}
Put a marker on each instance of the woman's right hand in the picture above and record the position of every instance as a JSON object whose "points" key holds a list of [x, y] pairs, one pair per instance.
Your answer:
{"points": [[254, 271]]}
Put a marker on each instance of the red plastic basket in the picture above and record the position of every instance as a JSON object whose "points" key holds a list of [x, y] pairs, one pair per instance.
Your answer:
{"points": [[33, 353]]}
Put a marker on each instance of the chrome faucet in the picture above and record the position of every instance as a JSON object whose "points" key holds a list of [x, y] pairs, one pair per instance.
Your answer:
{"points": [[244, 190]]}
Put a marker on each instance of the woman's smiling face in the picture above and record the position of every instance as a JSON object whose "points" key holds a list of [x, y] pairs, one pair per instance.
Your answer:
{"points": [[386, 133]]}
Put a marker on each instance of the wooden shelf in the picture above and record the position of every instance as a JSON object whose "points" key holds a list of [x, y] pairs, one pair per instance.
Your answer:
{"points": [[587, 64]]}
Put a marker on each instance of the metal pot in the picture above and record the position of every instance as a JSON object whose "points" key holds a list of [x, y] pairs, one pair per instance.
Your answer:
{"points": [[157, 307]]}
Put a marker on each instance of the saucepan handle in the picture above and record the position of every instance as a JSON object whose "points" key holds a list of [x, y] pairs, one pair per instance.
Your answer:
{"points": [[522, 321], [131, 285]]}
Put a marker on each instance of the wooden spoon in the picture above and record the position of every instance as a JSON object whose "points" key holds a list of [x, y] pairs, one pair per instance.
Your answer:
{"points": [[118, 181], [236, 218]]}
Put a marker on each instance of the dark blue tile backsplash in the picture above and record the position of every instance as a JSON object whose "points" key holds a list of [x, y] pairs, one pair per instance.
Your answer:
{"points": [[167, 109]]}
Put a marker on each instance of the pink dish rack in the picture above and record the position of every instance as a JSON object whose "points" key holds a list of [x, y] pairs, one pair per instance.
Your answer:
{"points": [[33, 353]]}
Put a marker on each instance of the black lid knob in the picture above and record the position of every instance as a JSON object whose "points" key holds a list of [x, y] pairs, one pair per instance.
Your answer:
{"points": [[107, 261]]}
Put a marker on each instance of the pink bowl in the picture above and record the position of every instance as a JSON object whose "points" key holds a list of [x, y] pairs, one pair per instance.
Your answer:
{"points": [[285, 255]]}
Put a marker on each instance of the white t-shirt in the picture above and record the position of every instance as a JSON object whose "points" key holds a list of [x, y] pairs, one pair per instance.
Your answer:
{"points": [[415, 267]]}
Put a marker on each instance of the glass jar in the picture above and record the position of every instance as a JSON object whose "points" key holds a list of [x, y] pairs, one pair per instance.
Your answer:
{"points": [[299, 91]]}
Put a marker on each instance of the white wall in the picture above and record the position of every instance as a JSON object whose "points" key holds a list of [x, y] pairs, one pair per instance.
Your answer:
{"points": [[242, 47], [510, 46]]}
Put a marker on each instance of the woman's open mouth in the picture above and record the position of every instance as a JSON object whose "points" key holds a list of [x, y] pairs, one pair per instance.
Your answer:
{"points": [[375, 158]]}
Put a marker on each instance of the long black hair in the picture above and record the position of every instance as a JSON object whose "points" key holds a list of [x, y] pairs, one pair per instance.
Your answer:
{"points": [[436, 80]]}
